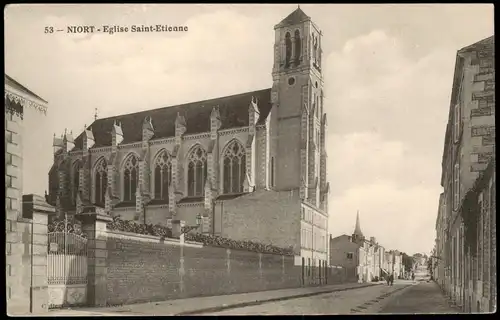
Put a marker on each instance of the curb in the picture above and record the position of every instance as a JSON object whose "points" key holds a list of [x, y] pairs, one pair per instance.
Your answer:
{"points": [[258, 302]]}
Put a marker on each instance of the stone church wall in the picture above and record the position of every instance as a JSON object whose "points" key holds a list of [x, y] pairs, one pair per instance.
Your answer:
{"points": [[264, 216]]}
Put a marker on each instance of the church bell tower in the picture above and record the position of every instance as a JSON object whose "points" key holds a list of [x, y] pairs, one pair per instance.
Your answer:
{"points": [[297, 95]]}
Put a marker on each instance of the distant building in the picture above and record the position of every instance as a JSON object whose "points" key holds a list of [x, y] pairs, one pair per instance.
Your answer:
{"points": [[361, 259]]}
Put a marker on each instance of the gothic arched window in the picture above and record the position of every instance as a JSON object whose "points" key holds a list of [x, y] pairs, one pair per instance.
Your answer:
{"points": [[130, 178], [288, 49], [76, 178], [297, 47], [197, 172], [162, 175], [100, 181], [234, 167]]}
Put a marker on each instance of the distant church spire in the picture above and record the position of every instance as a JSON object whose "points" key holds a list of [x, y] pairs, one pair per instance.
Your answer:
{"points": [[357, 229]]}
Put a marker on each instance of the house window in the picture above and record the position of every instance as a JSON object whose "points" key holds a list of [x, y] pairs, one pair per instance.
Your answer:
{"points": [[197, 172], [76, 179], [100, 181], [234, 168], [350, 255], [162, 175], [456, 186], [130, 178], [272, 171], [457, 122], [303, 213]]}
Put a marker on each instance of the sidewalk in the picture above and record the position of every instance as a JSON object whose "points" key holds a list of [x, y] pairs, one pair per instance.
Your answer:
{"points": [[208, 304], [421, 298]]}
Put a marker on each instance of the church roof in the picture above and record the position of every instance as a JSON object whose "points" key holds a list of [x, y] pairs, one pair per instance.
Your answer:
{"points": [[295, 17], [233, 114], [357, 229]]}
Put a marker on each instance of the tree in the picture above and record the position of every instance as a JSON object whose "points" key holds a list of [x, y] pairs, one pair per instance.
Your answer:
{"points": [[407, 262]]}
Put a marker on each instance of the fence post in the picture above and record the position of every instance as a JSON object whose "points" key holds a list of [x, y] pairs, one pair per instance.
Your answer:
{"points": [[36, 209], [94, 223]]}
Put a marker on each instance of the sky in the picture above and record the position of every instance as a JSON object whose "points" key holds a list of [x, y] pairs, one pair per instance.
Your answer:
{"points": [[388, 73]]}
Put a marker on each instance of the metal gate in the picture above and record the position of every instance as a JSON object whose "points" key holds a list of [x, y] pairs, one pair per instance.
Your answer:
{"points": [[67, 269]]}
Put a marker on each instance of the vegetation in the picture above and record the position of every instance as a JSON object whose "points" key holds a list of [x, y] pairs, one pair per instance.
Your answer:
{"points": [[157, 230], [407, 262], [216, 241], [118, 224]]}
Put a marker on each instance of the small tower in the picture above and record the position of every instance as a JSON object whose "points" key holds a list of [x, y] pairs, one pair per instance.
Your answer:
{"points": [[358, 234], [296, 120]]}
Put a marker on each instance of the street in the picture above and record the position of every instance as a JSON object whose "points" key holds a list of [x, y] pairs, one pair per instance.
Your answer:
{"points": [[403, 297]]}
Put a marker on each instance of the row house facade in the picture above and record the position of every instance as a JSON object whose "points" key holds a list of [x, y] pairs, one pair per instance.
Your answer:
{"points": [[469, 146], [440, 246], [393, 263], [252, 165], [363, 260]]}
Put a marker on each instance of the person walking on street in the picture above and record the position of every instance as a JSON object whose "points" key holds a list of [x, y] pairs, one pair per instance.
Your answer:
{"points": [[391, 279]]}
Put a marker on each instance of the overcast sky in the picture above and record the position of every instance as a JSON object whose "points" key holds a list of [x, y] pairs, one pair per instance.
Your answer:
{"points": [[388, 72]]}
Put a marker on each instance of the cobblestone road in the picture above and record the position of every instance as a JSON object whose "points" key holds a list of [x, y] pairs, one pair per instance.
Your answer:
{"points": [[423, 298], [344, 302]]}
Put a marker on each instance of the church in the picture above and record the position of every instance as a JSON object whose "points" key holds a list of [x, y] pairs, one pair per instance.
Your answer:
{"points": [[252, 166]]}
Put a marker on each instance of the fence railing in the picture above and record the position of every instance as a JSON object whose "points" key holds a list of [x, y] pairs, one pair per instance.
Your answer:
{"points": [[67, 258]]}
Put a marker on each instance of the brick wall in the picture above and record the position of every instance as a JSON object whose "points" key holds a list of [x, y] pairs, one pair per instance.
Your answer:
{"points": [[140, 269], [143, 268]]}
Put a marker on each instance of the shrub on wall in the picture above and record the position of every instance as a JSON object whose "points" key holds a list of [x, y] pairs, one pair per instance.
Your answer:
{"points": [[157, 230], [118, 224], [216, 241]]}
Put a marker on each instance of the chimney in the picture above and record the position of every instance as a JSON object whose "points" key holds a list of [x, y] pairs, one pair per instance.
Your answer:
{"points": [[253, 112], [88, 140], [147, 129], [116, 134], [69, 141]]}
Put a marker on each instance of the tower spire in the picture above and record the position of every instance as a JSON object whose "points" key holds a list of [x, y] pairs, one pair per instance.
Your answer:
{"points": [[357, 229]]}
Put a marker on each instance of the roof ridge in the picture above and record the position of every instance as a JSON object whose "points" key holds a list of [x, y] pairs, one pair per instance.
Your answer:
{"points": [[183, 104], [23, 88], [233, 110]]}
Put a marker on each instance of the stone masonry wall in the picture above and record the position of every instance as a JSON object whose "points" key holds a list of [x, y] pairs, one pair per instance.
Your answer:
{"points": [[17, 231], [263, 216]]}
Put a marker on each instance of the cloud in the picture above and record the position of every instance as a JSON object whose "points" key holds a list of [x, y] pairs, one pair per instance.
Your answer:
{"points": [[385, 112]]}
